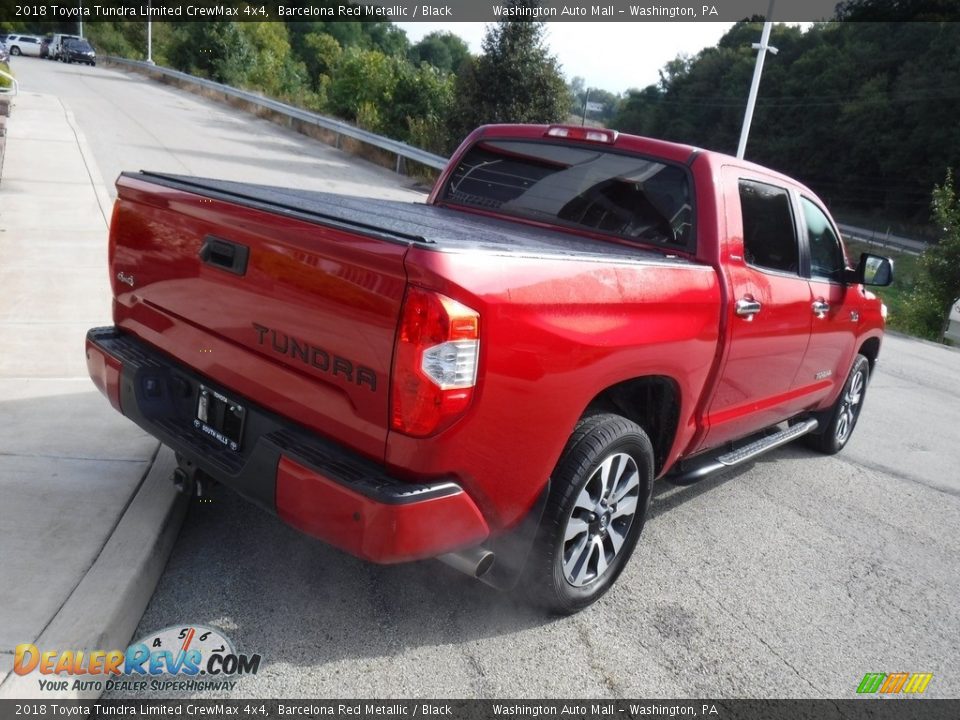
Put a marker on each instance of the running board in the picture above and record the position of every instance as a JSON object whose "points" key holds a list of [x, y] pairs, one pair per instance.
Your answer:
{"points": [[743, 454]]}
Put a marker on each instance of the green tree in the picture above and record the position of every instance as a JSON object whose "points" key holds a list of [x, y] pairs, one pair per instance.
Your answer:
{"points": [[118, 38], [421, 104], [388, 95], [272, 69], [386, 37], [363, 85], [444, 50], [577, 87], [217, 50], [515, 80], [321, 56], [938, 286]]}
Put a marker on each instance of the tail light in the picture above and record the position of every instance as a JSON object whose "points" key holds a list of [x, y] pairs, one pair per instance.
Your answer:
{"points": [[435, 363]]}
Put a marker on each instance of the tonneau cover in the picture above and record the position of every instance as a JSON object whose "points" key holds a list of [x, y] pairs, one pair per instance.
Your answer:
{"points": [[442, 228]]}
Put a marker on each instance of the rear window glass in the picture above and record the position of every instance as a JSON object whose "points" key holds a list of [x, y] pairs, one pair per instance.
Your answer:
{"points": [[769, 235], [625, 195]]}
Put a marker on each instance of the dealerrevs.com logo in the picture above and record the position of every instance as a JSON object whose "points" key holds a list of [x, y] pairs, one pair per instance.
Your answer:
{"points": [[178, 658]]}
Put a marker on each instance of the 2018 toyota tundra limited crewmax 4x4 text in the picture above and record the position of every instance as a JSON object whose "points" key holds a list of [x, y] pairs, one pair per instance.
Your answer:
{"points": [[495, 377]]}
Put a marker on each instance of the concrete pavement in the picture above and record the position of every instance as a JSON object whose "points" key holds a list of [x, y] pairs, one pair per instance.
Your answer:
{"points": [[88, 515]]}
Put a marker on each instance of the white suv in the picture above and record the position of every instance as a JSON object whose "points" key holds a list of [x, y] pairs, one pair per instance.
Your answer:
{"points": [[23, 45]]}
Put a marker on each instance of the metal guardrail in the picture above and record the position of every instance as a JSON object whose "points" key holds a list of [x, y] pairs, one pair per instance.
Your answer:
{"points": [[400, 149], [884, 239], [15, 85]]}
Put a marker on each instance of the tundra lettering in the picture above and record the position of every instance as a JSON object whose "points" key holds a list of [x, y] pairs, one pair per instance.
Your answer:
{"points": [[572, 315], [316, 357]]}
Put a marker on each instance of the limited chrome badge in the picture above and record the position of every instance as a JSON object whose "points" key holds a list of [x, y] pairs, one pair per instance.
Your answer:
{"points": [[124, 278], [823, 374]]}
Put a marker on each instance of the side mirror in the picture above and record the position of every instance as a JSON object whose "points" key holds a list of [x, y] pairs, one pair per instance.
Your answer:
{"points": [[874, 270]]}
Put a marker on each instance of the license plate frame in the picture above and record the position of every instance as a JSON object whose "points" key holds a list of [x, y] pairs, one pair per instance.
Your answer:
{"points": [[219, 417]]}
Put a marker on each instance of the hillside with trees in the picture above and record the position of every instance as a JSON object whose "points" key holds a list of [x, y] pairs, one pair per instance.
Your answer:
{"points": [[865, 113]]}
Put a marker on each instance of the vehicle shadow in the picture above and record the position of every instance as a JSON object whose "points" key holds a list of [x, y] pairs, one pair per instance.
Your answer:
{"points": [[300, 602]]}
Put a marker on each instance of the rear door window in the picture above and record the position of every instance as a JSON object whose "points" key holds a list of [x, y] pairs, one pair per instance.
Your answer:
{"points": [[769, 232]]}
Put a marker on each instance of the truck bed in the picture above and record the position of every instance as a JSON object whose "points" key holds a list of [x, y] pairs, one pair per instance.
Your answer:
{"points": [[433, 227]]}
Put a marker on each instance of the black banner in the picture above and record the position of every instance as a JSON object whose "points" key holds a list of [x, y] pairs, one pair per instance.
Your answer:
{"points": [[867, 709], [452, 10]]}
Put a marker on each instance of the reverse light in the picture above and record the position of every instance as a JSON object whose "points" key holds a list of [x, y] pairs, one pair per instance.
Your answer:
{"points": [[435, 363], [582, 133]]}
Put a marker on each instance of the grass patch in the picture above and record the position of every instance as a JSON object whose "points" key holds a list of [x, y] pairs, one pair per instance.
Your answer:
{"points": [[5, 82]]}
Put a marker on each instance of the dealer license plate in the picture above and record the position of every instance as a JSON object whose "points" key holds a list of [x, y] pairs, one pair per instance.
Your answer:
{"points": [[219, 417]]}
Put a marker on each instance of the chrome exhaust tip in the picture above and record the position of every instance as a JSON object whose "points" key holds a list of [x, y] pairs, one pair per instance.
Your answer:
{"points": [[475, 562]]}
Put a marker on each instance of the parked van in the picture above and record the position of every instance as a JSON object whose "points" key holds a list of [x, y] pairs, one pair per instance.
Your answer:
{"points": [[56, 45]]}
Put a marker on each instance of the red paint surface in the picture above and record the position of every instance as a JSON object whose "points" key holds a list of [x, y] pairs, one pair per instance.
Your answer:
{"points": [[379, 532]]}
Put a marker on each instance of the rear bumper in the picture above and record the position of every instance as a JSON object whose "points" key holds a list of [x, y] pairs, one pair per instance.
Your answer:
{"points": [[312, 483]]}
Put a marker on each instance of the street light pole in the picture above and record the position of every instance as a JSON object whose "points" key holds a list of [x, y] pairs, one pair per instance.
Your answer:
{"points": [[80, 17], [763, 46], [149, 32]]}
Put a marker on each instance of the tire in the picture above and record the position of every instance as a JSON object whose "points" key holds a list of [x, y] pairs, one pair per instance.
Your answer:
{"points": [[587, 533], [14, 50], [842, 418]]}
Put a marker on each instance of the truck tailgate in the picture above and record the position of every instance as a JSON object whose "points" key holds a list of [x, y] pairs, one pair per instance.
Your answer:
{"points": [[290, 312]]}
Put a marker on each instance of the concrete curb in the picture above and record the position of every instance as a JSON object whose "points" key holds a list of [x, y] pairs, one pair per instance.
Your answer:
{"points": [[104, 609], [93, 171]]}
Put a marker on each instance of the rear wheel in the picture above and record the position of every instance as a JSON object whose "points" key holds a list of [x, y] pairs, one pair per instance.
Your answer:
{"points": [[842, 418], [598, 500]]}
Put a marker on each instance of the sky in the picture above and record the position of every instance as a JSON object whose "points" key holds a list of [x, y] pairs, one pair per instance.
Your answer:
{"points": [[611, 56]]}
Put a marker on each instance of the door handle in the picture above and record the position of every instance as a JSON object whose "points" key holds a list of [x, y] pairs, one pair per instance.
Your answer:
{"points": [[225, 254], [747, 307], [820, 308]]}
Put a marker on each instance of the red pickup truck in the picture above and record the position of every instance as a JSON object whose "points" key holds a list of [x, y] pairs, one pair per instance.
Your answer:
{"points": [[497, 376]]}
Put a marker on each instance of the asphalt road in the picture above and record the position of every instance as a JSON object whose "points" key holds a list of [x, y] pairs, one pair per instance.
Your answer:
{"points": [[790, 578]]}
